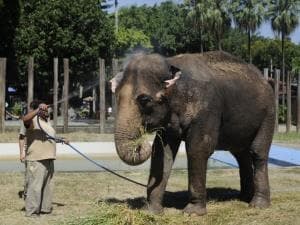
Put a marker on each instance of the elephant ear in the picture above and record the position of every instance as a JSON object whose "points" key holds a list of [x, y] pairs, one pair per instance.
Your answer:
{"points": [[115, 81], [175, 75]]}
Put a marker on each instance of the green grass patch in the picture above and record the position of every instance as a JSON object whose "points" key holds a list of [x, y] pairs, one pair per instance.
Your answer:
{"points": [[292, 137]]}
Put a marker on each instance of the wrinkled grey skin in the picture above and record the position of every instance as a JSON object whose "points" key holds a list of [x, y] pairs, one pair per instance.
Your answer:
{"points": [[210, 101]]}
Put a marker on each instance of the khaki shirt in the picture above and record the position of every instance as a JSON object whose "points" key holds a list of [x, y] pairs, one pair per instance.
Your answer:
{"points": [[38, 146]]}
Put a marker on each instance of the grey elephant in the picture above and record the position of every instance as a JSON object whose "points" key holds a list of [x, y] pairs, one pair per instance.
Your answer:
{"points": [[210, 101]]}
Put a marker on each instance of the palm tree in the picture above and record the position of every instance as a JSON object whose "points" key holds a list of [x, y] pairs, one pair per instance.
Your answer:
{"points": [[211, 16], [248, 16], [197, 15], [284, 16], [218, 19]]}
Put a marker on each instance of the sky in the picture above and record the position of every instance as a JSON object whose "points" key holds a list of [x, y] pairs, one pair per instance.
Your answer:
{"points": [[264, 30]]}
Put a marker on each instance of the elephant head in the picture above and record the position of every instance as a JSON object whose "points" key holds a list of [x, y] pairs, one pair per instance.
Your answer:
{"points": [[142, 104]]}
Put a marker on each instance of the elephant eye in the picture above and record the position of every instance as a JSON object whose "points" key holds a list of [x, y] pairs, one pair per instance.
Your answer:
{"points": [[144, 99]]}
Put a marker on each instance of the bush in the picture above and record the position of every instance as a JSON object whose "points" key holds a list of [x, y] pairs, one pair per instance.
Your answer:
{"points": [[282, 110], [16, 109]]}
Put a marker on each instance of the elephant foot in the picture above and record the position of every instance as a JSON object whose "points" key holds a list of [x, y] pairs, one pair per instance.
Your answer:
{"points": [[260, 202], [155, 209], [195, 209]]}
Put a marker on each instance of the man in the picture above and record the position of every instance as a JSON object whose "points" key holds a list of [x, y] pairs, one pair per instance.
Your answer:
{"points": [[22, 147], [40, 154]]}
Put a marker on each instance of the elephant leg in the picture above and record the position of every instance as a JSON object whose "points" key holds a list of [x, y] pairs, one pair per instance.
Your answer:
{"points": [[199, 148], [245, 162], [260, 151], [165, 148]]}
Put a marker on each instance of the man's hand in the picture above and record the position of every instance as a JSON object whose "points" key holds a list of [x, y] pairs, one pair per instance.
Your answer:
{"points": [[43, 106], [66, 141], [22, 156]]}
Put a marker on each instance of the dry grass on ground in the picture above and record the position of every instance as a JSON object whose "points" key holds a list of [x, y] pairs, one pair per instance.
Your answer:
{"points": [[101, 198]]}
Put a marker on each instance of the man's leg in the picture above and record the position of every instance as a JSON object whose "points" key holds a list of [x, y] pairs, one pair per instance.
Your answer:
{"points": [[35, 175], [25, 181], [47, 194]]}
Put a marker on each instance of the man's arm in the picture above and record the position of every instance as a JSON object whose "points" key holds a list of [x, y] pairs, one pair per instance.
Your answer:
{"points": [[22, 141], [27, 119]]}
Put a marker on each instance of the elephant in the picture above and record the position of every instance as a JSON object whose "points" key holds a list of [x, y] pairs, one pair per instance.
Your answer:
{"points": [[210, 101]]}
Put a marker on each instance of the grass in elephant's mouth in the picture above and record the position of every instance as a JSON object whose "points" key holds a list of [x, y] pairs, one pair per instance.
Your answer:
{"points": [[100, 198], [143, 136]]}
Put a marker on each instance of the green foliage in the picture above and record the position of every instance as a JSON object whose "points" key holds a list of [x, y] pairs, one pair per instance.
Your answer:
{"points": [[248, 16], [282, 113], [77, 30], [211, 17], [217, 19], [16, 109], [296, 65], [235, 43], [265, 50], [164, 24], [9, 19], [130, 39], [284, 15], [291, 137]]}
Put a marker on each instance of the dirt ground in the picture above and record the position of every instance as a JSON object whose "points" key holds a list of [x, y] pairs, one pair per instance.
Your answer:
{"points": [[78, 195]]}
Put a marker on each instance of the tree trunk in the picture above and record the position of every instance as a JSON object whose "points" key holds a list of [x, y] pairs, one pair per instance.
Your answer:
{"points": [[249, 47], [283, 68]]}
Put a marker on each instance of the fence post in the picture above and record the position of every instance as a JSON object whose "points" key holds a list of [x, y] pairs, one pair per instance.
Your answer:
{"points": [[283, 88], [30, 89], [55, 91], [276, 92], [94, 95], [2, 93], [288, 101], [102, 94], [114, 71], [298, 103], [66, 94], [266, 73]]}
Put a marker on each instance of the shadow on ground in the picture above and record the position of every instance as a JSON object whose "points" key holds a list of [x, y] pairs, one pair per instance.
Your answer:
{"points": [[178, 199]]}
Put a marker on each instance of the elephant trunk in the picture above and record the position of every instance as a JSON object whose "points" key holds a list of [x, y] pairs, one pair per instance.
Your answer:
{"points": [[130, 139]]}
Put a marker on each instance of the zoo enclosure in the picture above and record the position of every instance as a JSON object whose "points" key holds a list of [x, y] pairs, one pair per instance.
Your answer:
{"points": [[97, 102], [287, 96]]}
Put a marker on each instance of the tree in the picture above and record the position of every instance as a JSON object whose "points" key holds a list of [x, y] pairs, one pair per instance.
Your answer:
{"points": [[296, 65], [168, 28], [248, 16], [198, 17], [284, 15], [164, 24], [131, 39], [9, 19], [235, 42], [137, 18], [78, 30], [218, 20], [264, 50]]}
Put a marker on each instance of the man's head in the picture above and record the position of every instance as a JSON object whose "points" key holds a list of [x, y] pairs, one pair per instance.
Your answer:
{"points": [[35, 104], [42, 112]]}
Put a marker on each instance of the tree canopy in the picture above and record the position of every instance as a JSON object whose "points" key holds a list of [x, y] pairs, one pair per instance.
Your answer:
{"points": [[78, 30]]}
